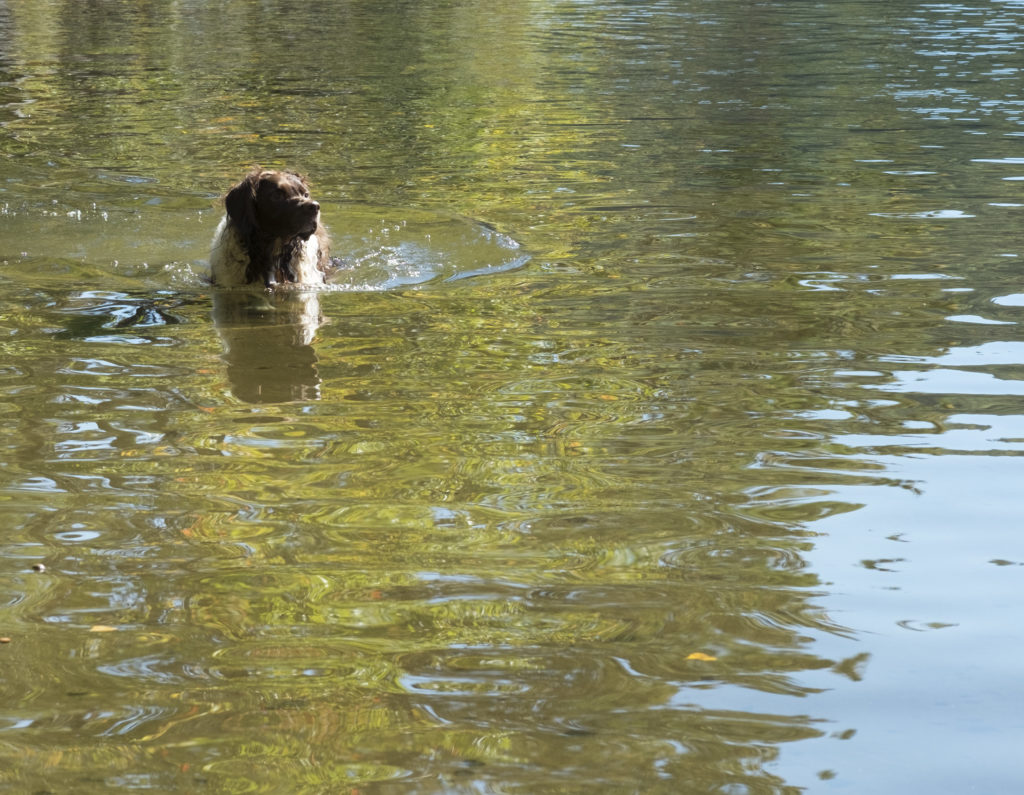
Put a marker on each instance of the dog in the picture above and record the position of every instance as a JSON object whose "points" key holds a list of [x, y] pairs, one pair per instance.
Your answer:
{"points": [[270, 234], [270, 237]]}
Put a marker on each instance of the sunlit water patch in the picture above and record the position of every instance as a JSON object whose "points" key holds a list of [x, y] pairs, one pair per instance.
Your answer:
{"points": [[379, 248]]}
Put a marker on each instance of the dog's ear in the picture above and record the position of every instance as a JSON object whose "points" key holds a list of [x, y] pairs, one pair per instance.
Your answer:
{"points": [[240, 203]]}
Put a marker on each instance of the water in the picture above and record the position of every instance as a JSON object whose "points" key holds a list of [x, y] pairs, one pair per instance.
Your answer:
{"points": [[662, 434]]}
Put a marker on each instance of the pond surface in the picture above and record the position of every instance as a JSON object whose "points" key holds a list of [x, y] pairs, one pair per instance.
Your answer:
{"points": [[663, 432]]}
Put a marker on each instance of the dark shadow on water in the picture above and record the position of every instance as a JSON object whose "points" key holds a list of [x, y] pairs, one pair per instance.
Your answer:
{"points": [[104, 314], [268, 343]]}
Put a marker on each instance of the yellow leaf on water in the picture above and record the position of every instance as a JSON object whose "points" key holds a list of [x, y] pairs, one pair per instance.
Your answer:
{"points": [[699, 655], [102, 628]]}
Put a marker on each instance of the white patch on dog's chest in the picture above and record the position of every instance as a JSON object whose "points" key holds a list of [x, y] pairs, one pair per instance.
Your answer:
{"points": [[304, 263], [229, 259]]}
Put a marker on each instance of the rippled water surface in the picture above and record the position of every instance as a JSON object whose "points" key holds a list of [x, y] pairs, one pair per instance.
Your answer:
{"points": [[663, 431]]}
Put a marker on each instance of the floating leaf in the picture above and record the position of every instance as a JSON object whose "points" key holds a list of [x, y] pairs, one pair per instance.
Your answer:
{"points": [[699, 655], [102, 628]]}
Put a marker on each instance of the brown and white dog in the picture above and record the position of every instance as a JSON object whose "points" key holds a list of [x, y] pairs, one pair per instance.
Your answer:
{"points": [[270, 234], [270, 237]]}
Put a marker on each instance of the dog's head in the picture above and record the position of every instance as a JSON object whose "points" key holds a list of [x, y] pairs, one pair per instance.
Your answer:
{"points": [[270, 206]]}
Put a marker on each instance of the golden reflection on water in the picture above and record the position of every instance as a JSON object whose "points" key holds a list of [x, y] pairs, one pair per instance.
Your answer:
{"points": [[625, 453]]}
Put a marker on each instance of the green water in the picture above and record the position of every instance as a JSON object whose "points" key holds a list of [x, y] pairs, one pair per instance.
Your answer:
{"points": [[663, 432]]}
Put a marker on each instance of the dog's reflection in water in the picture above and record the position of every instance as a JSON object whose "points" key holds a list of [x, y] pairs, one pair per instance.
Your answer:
{"points": [[268, 343]]}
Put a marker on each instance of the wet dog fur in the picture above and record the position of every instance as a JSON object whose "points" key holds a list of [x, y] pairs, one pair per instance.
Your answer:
{"points": [[270, 234]]}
